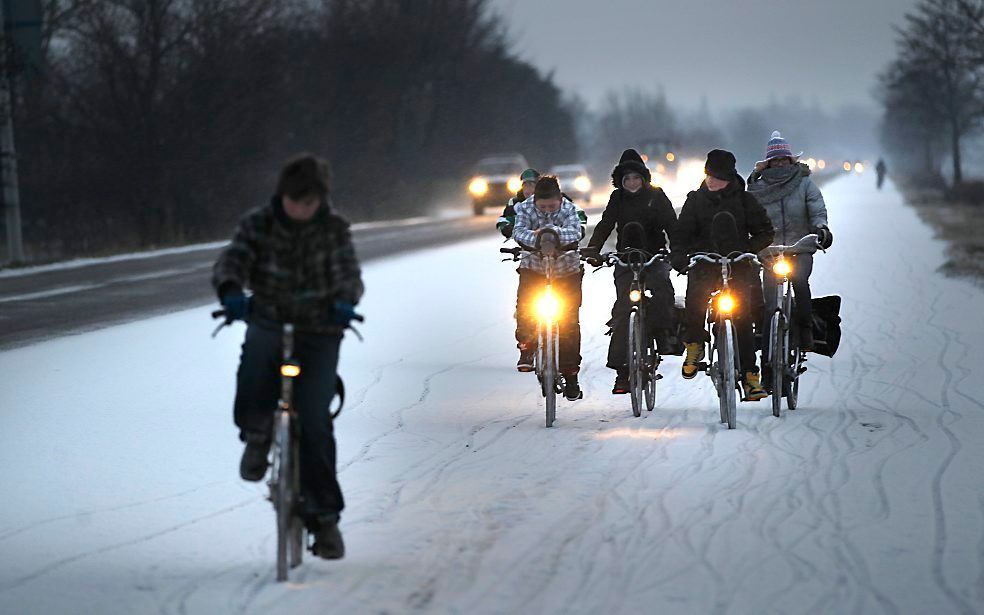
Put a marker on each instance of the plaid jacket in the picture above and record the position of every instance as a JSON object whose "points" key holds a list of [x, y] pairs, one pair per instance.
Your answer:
{"points": [[565, 221], [296, 271]]}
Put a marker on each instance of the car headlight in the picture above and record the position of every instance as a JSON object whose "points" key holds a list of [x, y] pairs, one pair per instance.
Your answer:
{"points": [[478, 186], [514, 184], [582, 184]]}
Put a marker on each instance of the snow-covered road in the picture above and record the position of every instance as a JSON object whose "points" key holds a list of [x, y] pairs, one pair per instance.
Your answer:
{"points": [[119, 460]]}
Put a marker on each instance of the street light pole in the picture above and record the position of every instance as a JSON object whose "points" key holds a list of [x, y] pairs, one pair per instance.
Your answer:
{"points": [[8, 160]]}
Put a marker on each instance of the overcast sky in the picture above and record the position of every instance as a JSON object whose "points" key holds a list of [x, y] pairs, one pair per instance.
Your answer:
{"points": [[734, 52]]}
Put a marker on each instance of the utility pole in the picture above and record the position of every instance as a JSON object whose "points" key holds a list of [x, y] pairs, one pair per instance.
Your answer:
{"points": [[8, 159]]}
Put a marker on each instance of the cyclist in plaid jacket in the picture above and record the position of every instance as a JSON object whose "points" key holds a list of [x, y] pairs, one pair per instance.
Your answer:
{"points": [[548, 209], [296, 255]]}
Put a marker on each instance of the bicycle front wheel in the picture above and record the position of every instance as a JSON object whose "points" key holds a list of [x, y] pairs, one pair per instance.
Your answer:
{"points": [[726, 393], [281, 489], [636, 366], [549, 379], [777, 360]]}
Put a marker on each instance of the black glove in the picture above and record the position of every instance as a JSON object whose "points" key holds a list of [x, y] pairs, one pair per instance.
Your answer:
{"points": [[506, 230], [824, 237], [679, 262], [236, 304], [592, 256]]}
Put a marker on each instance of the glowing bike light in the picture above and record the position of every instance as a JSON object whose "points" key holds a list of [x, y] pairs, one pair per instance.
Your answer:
{"points": [[478, 186], [514, 184], [726, 303], [290, 370], [782, 267], [547, 306], [635, 296]]}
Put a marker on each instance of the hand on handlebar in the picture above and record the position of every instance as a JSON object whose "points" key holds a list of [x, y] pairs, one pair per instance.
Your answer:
{"points": [[236, 304]]}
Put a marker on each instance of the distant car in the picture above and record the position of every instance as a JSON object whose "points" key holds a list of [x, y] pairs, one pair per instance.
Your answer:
{"points": [[495, 180], [574, 181]]}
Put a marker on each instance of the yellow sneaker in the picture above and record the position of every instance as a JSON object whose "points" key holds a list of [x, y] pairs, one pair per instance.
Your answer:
{"points": [[693, 356], [753, 387]]}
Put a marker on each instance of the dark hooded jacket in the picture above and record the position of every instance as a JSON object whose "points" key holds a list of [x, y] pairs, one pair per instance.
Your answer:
{"points": [[693, 229], [648, 206]]}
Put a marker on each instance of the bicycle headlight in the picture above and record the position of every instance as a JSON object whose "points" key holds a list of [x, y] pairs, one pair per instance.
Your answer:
{"points": [[635, 295], [725, 303], [290, 370], [478, 186], [782, 267], [514, 184], [547, 306]]}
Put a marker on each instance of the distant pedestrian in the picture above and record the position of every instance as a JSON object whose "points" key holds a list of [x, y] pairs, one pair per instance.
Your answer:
{"points": [[881, 169]]}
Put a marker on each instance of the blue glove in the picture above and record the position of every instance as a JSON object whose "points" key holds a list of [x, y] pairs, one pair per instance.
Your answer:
{"points": [[343, 313], [236, 305]]}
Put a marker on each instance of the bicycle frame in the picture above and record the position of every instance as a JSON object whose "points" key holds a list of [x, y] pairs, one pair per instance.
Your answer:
{"points": [[285, 479]]}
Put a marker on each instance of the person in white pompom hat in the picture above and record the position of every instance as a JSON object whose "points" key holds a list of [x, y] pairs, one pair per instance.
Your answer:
{"points": [[795, 205]]}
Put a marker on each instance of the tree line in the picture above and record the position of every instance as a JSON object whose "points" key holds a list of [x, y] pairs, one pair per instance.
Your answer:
{"points": [[159, 122], [933, 91]]}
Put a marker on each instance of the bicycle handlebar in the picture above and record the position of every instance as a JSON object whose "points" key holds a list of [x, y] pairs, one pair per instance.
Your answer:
{"points": [[714, 258], [809, 244]]}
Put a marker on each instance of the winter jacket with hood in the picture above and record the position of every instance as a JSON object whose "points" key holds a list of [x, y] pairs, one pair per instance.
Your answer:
{"points": [[791, 199], [648, 206], [693, 229]]}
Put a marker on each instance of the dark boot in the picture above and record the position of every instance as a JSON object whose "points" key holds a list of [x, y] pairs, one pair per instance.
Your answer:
{"points": [[253, 465], [526, 354], [328, 542], [621, 382], [571, 389]]}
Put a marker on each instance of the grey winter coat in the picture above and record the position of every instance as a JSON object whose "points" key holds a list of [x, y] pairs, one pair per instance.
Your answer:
{"points": [[791, 199]]}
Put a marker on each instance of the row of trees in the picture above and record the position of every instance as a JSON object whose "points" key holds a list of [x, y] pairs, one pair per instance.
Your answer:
{"points": [[933, 92], [158, 122]]}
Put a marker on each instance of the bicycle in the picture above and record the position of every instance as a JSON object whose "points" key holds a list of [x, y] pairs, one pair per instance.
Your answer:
{"points": [[643, 358], [285, 475], [548, 311], [785, 359], [723, 369]]}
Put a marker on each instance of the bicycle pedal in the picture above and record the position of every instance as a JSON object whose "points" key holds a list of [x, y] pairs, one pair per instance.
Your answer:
{"points": [[658, 377], [702, 366], [802, 369]]}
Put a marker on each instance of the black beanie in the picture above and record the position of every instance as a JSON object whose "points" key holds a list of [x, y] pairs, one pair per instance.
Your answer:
{"points": [[630, 162], [721, 164], [303, 175]]}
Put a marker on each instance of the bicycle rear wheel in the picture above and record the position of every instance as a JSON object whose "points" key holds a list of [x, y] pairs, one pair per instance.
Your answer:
{"points": [[726, 393], [296, 522], [777, 360], [635, 362], [281, 488], [793, 381]]}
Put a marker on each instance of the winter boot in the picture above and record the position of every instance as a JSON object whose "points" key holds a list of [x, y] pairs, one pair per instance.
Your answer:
{"points": [[328, 542], [253, 465], [621, 382], [753, 387], [694, 355], [526, 352], [571, 390]]}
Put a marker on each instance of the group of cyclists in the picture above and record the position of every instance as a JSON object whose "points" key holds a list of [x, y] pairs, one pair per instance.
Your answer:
{"points": [[777, 205], [296, 256]]}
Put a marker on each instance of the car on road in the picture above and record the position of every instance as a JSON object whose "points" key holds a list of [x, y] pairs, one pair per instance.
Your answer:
{"points": [[574, 181], [495, 180]]}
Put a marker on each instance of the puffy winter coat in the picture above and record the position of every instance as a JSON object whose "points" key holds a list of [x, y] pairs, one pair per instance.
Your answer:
{"points": [[791, 199]]}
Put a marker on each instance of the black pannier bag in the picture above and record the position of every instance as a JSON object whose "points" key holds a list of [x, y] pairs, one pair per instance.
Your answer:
{"points": [[826, 325]]}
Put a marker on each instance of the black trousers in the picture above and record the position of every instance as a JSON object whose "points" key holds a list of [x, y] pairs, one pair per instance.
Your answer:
{"points": [[257, 392], [568, 290], [659, 309], [703, 280]]}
